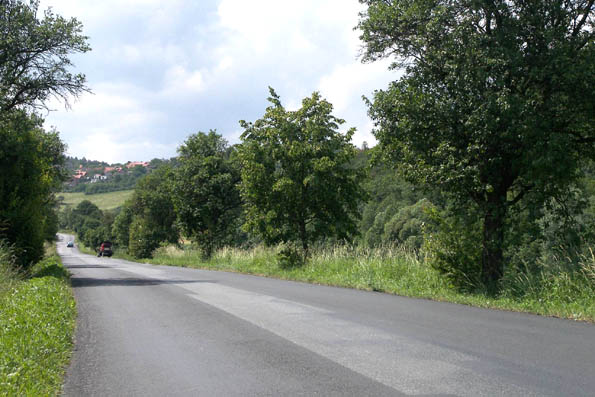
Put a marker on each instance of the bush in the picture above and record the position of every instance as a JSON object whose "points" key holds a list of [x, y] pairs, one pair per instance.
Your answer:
{"points": [[290, 256], [406, 226], [142, 239], [454, 248]]}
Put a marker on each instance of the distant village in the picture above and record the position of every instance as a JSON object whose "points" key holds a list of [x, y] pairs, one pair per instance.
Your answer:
{"points": [[101, 173]]}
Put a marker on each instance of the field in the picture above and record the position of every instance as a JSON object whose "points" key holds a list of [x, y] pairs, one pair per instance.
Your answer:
{"points": [[105, 201]]}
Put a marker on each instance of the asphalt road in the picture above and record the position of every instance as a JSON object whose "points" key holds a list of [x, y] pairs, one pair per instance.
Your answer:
{"points": [[149, 330]]}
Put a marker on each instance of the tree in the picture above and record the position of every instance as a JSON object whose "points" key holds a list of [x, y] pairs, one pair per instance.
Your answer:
{"points": [[121, 226], [150, 214], [31, 161], [297, 181], [496, 104], [34, 56], [205, 192]]}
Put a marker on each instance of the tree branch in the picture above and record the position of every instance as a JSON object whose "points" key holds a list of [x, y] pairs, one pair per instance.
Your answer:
{"points": [[581, 23]]}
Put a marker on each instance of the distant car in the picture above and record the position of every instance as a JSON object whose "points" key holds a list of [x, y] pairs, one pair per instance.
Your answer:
{"points": [[105, 249], [70, 244]]}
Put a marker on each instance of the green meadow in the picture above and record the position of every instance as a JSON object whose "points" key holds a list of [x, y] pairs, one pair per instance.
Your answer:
{"points": [[105, 201]]}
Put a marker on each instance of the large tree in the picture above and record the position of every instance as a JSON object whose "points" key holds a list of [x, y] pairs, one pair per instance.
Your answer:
{"points": [[297, 180], [34, 55], [205, 193], [31, 169], [496, 104], [149, 218]]}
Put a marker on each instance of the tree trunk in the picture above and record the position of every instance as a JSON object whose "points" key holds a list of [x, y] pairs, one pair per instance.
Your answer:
{"points": [[493, 241]]}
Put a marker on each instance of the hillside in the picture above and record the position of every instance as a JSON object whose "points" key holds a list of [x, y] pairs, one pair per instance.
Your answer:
{"points": [[92, 177], [105, 201]]}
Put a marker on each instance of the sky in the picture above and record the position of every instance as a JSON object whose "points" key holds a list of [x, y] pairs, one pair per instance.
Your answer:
{"points": [[160, 71]]}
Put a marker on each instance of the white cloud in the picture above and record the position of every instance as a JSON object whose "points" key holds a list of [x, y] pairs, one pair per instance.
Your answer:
{"points": [[109, 148], [162, 70], [179, 81]]}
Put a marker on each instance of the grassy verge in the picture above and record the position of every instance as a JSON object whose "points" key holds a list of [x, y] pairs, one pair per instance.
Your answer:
{"points": [[396, 271], [105, 201], [37, 318]]}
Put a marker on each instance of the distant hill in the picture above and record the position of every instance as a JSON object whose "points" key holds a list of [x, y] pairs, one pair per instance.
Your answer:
{"points": [[93, 177]]}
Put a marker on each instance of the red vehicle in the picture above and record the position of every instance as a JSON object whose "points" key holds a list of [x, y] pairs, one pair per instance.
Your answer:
{"points": [[105, 249]]}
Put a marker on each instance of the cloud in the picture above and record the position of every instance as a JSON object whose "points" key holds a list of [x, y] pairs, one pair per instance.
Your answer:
{"points": [[180, 82], [163, 70]]}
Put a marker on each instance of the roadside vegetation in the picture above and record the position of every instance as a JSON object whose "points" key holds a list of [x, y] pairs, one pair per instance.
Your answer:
{"points": [[398, 270], [37, 308], [482, 176], [37, 318]]}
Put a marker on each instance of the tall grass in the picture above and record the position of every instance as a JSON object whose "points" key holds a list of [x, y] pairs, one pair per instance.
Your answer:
{"points": [[37, 317], [397, 270], [389, 268], [555, 288], [8, 273]]}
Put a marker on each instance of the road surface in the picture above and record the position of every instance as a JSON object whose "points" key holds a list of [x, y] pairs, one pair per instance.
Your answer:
{"points": [[149, 330]]}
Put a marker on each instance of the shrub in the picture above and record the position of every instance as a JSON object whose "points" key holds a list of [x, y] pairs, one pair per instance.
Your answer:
{"points": [[290, 256], [143, 240], [454, 248]]}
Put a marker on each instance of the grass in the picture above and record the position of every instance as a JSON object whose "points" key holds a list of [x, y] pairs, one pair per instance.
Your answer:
{"points": [[105, 201], [37, 318], [398, 271]]}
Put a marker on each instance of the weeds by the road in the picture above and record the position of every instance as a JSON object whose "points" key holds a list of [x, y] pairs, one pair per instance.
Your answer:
{"points": [[8, 274], [560, 293], [37, 317]]}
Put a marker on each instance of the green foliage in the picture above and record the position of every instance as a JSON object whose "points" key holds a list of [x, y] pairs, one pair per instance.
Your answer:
{"points": [[205, 194], [37, 320], [140, 241], [121, 226], [30, 170], [290, 256], [149, 209], [297, 180], [451, 246], [148, 218], [561, 231], [34, 56], [116, 181], [90, 224], [407, 226], [496, 106], [389, 194], [74, 163]]}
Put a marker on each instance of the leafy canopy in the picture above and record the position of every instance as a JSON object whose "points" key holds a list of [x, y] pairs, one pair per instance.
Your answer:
{"points": [[31, 161], [34, 56], [297, 182], [206, 197], [148, 218], [496, 103]]}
